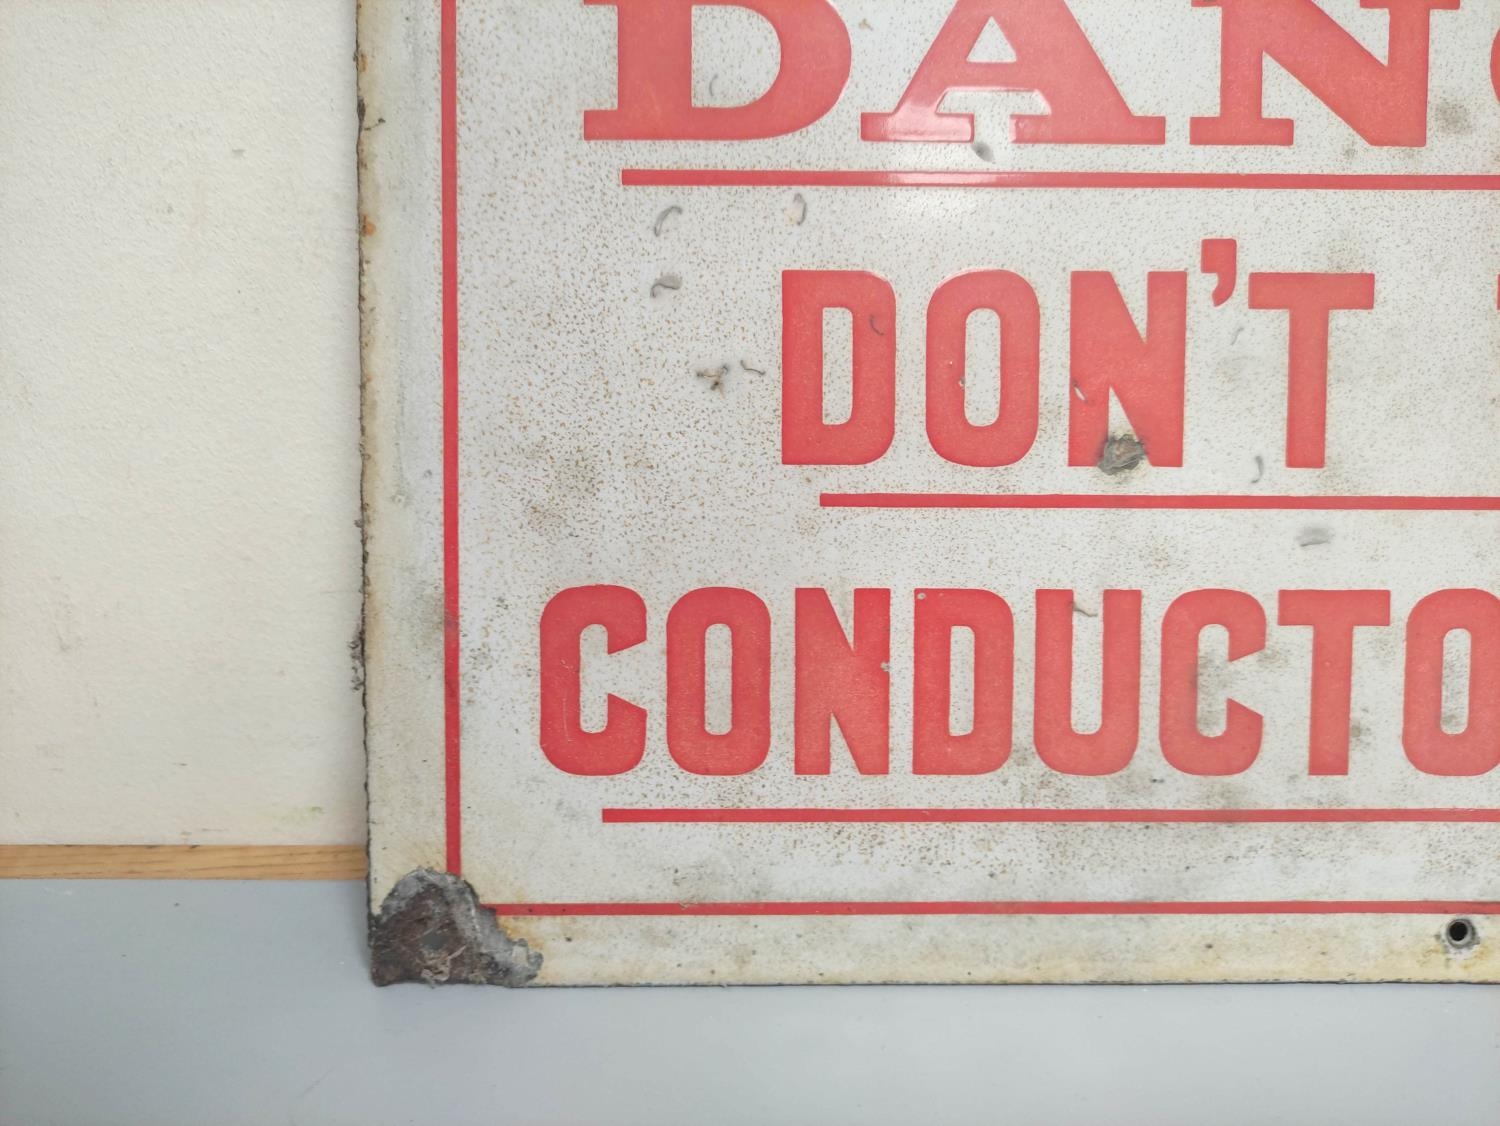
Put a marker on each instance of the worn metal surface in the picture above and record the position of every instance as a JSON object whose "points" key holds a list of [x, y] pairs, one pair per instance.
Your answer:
{"points": [[431, 928], [591, 362]]}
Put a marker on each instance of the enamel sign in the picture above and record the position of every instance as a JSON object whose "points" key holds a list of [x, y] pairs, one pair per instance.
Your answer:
{"points": [[932, 490]]}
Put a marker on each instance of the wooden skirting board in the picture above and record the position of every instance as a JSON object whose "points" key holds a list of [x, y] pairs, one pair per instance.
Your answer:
{"points": [[182, 862]]}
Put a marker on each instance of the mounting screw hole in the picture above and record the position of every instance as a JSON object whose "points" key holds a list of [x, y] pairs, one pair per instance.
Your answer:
{"points": [[1461, 934]]}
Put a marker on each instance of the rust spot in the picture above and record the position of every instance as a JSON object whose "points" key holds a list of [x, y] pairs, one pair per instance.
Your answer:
{"points": [[367, 228], [357, 657], [1122, 453], [714, 377], [432, 929], [661, 226]]}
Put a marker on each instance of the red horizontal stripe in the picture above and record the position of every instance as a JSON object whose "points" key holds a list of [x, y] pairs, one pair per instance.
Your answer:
{"points": [[1019, 907], [875, 178], [1143, 501], [728, 816]]}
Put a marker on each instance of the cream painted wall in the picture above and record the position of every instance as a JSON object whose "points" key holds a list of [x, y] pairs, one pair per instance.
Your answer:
{"points": [[179, 382]]}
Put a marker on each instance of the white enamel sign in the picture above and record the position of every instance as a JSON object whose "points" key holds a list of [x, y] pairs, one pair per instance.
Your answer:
{"points": [[923, 491]]}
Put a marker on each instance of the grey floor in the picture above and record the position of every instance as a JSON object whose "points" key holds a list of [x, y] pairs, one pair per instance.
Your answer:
{"points": [[206, 1003]]}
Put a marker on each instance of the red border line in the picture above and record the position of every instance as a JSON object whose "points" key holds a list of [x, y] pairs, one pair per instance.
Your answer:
{"points": [[726, 816], [1019, 907], [876, 178], [448, 96], [448, 99], [1225, 502]]}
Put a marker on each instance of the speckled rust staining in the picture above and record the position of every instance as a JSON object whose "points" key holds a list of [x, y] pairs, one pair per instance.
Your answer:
{"points": [[1453, 118]]}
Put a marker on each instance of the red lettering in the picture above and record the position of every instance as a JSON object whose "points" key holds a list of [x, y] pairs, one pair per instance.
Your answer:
{"points": [[1495, 66], [1385, 103], [1334, 615], [1310, 300], [1052, 57], [747, 742], [865, 436], [837, 679], [986, 745], [1183, 744], [655, 73], [1146, 373], [619, 745], [1007, 439], [1476, 749], [1110, 747]]}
